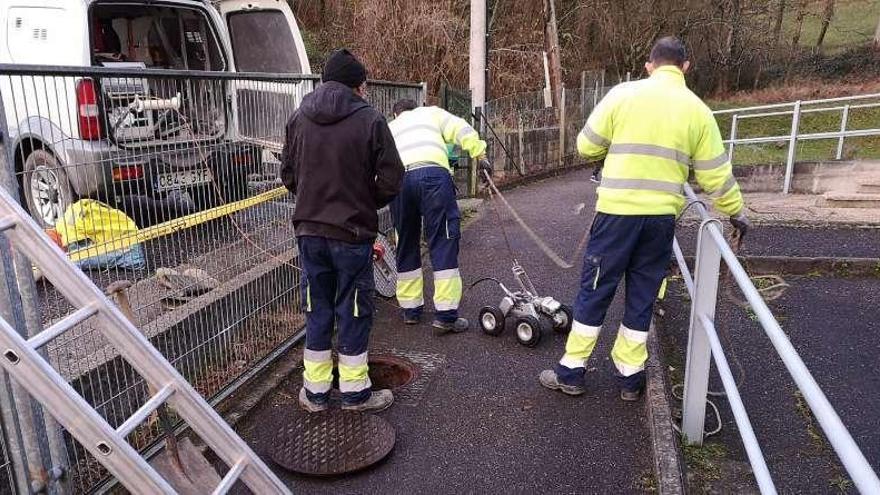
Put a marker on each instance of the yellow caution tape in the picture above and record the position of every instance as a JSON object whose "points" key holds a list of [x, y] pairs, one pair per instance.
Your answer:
{"points": [[172, 226]]}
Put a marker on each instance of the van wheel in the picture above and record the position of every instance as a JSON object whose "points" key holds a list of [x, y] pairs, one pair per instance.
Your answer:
{"points": [[47, 191]]}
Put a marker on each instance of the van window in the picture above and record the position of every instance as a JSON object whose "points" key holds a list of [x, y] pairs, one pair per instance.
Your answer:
{"points": [[158, 37], [262, 41]]}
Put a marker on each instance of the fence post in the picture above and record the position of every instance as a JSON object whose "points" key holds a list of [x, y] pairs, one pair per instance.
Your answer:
{"points": [[792, 147], [472, 168], [843, 124], [19, 305], [733, 124], [424, 94], [562, 129], [699, 353]]}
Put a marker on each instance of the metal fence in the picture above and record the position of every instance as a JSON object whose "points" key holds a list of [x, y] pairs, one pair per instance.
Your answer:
{"points": [[527, 137], [704, 345], [166, 180], [808, 130]]}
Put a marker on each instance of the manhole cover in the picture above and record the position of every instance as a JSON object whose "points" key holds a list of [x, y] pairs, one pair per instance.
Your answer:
{"points": [[332, 443]]}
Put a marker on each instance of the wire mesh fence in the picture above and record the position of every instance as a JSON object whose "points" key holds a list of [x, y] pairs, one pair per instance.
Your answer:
{"points": [[163, 186]]}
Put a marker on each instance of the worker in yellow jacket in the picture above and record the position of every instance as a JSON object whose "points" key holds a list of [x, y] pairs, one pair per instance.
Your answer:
{"points": [[428, 196], [650, 133]]}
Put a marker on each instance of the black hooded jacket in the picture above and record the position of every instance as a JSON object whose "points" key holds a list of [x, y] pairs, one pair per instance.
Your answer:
{"points": [[341, 162]]}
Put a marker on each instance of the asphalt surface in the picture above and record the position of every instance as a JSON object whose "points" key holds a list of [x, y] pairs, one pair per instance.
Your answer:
{"points": [[832, 323], [479, 422]]}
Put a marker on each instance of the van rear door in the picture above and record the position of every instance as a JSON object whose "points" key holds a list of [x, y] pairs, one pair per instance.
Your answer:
{"points": [[265, 37]]}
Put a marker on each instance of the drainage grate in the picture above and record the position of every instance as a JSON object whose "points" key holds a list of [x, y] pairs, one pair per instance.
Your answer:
{"points": [[332, 443]]}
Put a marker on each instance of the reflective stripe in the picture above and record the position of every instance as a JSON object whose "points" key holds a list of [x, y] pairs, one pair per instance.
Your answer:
{"points": [[418, 165], [725, 188], [572, 362], [308, 298], [421, 144], [441, 306], [644, 184], [463, 133], [356, 309], [317, 387], [317, 356], [415, 127], [585, 330], [711, 164], [633, 335], [446, 119], [410, 275], [352, 386], [594, 138], [410, 303], [359, 360], [447, 274], [627, 370], [651, 150]]}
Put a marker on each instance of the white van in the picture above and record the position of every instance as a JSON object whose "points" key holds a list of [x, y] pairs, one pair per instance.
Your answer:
{"points": [[129, 140]]}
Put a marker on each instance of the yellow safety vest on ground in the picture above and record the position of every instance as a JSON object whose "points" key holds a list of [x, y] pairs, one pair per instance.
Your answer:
{"points": [[422, 134], [651, 133], [104, 227]]}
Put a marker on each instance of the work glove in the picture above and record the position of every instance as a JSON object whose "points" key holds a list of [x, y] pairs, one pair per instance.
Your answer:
{"points": [[484, 166], [741, 223]]}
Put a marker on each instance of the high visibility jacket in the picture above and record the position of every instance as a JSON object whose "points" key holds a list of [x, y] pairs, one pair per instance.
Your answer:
{"points": [[422, 134], [651, 133]]}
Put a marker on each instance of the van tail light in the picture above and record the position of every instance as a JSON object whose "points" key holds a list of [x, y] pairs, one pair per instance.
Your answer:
{"points": [[127, 172], [87, 110]]}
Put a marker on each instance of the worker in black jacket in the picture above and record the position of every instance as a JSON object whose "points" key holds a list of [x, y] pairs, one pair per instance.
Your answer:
{"points": [[341, 162]]}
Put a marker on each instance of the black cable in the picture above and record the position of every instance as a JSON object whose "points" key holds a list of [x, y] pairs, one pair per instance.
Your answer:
{"points": [[484, 279]]}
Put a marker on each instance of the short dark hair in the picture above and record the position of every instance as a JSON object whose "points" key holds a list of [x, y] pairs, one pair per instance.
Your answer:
{"points": [[403, 106], [669, 51]]}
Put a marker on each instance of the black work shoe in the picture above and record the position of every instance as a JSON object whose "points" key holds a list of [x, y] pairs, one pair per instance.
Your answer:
{"points": [[308, 405], [378, 401], [457, 326], [412, 320], [549, 379], [630, 395]]}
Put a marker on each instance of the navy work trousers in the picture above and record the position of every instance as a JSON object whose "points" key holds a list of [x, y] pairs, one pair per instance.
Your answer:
{"points": [[638, 247], [337, 290]]}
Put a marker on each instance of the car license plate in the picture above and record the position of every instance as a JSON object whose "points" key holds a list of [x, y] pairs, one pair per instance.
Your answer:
{"points": [[181, 180]]}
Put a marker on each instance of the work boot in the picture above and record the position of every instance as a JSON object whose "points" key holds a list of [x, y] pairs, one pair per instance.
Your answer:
{"points": [[630, 395], [457, 326], [308, 405], [378, 401], [549, 379]]}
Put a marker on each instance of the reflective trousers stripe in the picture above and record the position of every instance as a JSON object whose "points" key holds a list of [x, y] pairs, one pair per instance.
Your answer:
{"points": [[642, 184], [353, 378], [410, 288], [630, 351], [447, 289], [318, 371], [581, 342]]}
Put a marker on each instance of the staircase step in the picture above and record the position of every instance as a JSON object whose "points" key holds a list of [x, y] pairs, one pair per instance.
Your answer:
{"points": [[849, 200], [872, 187]]}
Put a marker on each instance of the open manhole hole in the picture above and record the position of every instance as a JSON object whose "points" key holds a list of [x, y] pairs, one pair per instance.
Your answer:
{"points": [[391, 372], [386, 371]]}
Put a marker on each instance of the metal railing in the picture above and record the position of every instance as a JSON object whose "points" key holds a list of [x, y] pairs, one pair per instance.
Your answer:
{"points": [[167, 180], [797, 110], [704, 345]]}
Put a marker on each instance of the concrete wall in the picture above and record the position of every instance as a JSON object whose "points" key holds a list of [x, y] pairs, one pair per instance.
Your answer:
{"points": [[809, 177]]}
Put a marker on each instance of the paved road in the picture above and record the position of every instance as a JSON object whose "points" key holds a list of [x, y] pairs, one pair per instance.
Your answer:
{"points": [[832, 322], [482, 423]]}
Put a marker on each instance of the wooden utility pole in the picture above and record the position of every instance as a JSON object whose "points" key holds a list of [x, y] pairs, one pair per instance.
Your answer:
{"points": [[478, 53], [551, 46]]}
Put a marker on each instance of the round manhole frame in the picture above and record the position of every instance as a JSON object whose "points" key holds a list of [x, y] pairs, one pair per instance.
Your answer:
{"points": [[386, 361]]}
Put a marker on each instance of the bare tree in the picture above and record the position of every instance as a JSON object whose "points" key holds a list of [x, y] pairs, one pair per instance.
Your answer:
{"points": [[827, 15], [777, 26]]}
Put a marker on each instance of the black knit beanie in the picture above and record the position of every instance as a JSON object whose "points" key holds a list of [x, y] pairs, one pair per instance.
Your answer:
{"points": [[344, 68]]}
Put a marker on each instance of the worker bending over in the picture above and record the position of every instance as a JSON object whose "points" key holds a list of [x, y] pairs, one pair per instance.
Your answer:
{"points": [[428, 195], [340, 161], [650, 133]]}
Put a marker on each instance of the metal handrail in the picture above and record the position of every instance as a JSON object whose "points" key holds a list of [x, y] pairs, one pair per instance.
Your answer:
{"points": [[796, 110], [703, 343]]}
